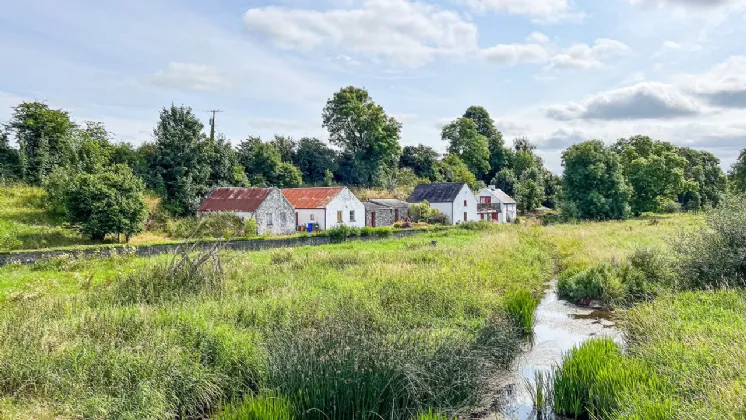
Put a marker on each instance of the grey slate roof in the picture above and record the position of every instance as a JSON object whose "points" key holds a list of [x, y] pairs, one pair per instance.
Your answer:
{"points": [[444, 192], [371, 206], [389, 202], [504, 198]]}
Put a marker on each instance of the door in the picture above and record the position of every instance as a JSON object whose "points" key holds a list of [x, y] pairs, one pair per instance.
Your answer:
{"points": [[466, 217], [495, 217], [296, 220], [373, 219], [396, 215]]}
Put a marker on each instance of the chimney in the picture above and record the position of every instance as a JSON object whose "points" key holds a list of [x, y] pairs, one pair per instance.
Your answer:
{"points": [[492, 188]]}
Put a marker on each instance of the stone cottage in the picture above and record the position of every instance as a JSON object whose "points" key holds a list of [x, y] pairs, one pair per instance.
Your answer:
{"points": [[385, 211], [401, 208], [273, 213]]}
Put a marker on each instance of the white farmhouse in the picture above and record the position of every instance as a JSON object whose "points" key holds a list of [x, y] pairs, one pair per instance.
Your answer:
{"points": [[454, 199], [504, 205], [272, 212], [326, 206]]}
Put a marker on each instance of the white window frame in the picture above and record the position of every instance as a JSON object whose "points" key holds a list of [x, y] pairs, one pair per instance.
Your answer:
{"points": [[270, 221]]}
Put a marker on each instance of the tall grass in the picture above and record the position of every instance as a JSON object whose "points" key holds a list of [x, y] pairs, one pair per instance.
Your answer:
{"points": [[262, 407], [541, 390], [521, 306]]}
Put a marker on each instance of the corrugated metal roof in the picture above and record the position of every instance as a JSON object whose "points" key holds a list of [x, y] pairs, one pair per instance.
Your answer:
{"points": [[311, 198], [504, 198], [444, 192], [389, 202], [235, 199], [369, 205]]}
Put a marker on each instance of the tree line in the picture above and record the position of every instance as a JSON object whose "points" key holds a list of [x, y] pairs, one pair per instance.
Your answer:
{"points": [[99, 183]]}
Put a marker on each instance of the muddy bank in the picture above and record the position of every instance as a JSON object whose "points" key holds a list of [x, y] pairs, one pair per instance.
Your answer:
{"points": [[558, 327]]}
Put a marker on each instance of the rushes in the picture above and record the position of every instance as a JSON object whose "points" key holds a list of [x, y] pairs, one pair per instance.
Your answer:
{"points": [[521, 306], [262, 407], [541, 390]]}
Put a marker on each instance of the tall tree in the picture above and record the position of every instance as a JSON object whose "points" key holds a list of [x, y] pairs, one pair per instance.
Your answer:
{"points": [[423, 161], [45, 139], [496, 145], [485, 123], [264, 165], [453, 169], [180, 159], [738, 173], [530, 190], [524, 156], [703, 169], [93, 147], [471, 147], [506, 181], [363, 131], [10, 165], [286, 146], [222, 160], [552, 189], [314, 159], [593, 182]]}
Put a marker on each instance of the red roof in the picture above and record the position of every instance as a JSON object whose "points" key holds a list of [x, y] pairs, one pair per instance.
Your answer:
{"points": [[311, 198], [235, 199]]}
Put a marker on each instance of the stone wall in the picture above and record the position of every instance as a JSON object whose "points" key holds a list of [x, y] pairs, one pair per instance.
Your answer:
{"points": [[384, 217], [30, 257]]}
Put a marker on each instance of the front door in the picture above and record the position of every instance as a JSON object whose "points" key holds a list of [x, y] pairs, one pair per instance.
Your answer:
{"points": [[373, 219], [466, 216], [396, 215], [296, 220], [495, 217]]}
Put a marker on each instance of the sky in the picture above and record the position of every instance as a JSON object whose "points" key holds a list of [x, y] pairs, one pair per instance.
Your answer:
{"points": [[556, 71]]}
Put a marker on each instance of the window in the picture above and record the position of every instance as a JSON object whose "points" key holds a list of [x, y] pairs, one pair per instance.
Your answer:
{"points": [[464, 203], [485, 199], [352, 215], [283, 219], [269, 219], [312, 216], [339, 217]]}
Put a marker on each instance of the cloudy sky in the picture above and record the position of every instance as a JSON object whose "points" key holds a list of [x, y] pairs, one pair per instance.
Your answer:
{"points": [[556, 71]]}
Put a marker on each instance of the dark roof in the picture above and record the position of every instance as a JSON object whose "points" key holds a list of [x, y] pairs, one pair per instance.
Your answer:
{"points": [[444, 192], [370, 206], [311, 198], [389, 202], [235, 199]]}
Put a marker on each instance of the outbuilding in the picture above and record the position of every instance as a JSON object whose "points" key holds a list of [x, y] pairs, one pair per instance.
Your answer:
{"points": [[400, 208], [494, 199], [454, 199], [378, 215], [268, 206], [326, 207]]}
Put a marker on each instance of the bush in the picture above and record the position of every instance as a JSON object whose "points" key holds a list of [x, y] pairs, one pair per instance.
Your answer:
{"points": [[251, 230], [477, 226], [367, 231], [670, 206], [339, 234], [419, 212], [520, 305], [214, 225], [716, 256], [602, 282], [383, 231], [261, 407], [438, 218]]}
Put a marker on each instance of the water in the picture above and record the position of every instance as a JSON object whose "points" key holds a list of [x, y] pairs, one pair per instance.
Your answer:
{"points": [[559, 326]]}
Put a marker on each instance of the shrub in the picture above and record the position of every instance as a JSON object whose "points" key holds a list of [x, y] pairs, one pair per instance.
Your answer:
{"points": [[339, 234], [213, 225], [383, 231], [438, 218], [262, 407], [670, 206], [367, 231], [602, 282], [251, 229], [419, 212], [477, 226], [520, 305], [716, 256]]}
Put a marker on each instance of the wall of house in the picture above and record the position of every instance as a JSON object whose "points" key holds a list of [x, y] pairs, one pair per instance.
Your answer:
{"points": [[283, 215], [445, 208], [470, 209], [510, 211], [384, 217], [306, 216], [486, 192], [345, 202]]}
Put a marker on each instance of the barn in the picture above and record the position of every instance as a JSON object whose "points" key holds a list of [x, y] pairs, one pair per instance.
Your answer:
{"points": [[326, 207], [272, 211]]}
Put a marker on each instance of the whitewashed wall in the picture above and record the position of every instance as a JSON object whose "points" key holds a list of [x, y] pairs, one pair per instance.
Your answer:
{"points": [[445, 208], [470, 209], [304, 217], [345, 202]]}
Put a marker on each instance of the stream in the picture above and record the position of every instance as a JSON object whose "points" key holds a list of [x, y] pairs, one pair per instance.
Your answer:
{"points": [[558, 327]]}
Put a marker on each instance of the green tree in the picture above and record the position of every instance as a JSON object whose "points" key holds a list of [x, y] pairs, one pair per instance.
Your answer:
{"points": [[530, 190], [506, 181], [653, 169], [422, 160], [10, 164], [93, 147], [485, 123], [737, 173], [499, 155], [44, 137], [181, 161], [107, 202], [264, 165], [288, 176], [703, 169], [363, 131], [552, 189], [223, 160], [314, 159], [593, 182], [453, 169], [286, 146], [471, 147]]}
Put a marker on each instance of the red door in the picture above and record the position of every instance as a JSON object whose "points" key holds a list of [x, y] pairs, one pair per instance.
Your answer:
{"points": [[296, 220], [465, 216], [494, 217], [373, 219]]}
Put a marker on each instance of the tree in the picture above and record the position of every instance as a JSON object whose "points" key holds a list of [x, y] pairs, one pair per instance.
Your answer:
{"points": [[738, 173], [702, 169], [552, 189], [524, 158], [107, 202], [181, 160], [10, 165], [286, 146], [593, 182], [506, 181], [264, 165], [223, 160], [496, 145], [485, 123], [471, 147], [93, 147], [530, 190], [44, 137], [453, 169], [314, 159], [500, 156], [288, 176], [653, 169], [363, 131], [422, 160]]}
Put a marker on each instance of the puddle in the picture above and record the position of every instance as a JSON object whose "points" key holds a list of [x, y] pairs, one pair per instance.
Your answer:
{"points": [[559, 326]]}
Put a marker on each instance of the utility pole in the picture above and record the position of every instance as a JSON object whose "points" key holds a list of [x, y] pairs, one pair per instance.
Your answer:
{"points": [[212, 124]]}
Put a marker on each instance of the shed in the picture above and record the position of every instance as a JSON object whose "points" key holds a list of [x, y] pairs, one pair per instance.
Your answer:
{"points": [[271, 210], [378, 215], [326, 206], [454, 199], [401, 208]]}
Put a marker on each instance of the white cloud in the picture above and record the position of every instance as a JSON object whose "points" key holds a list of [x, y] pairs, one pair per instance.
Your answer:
{"points": [[539, 49], [670, 45], [641, 101], [190, 76], [401, 31], [696, 4], [724, 85], [544, 11]]}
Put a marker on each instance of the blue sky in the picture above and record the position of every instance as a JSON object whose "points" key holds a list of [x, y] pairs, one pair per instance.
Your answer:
{"points": [[556, 71]]}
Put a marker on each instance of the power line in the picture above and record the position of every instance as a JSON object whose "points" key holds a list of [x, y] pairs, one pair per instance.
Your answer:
{"points": [[212, 123]]}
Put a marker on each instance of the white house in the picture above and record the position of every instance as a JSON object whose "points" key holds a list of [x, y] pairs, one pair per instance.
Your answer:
{"points": [[496, 198], [454, 199], [326, 206], [272, 212]]}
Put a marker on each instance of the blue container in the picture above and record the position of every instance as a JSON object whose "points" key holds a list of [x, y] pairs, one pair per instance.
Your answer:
{"points": [[310, 227]]}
